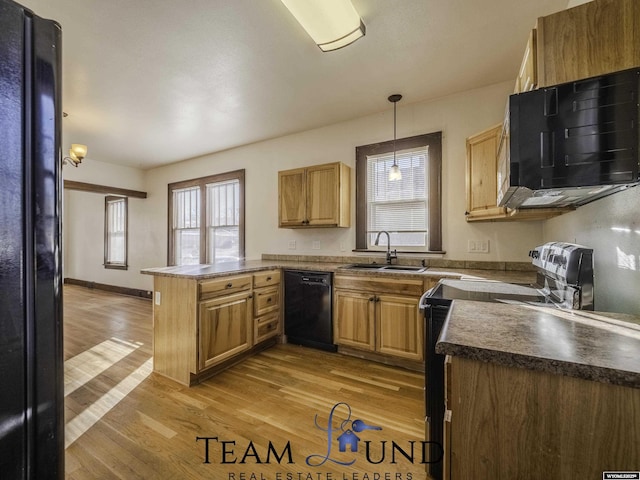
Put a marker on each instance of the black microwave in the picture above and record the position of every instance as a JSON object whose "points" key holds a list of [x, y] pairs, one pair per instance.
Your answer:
{"points": [[574, 143]]}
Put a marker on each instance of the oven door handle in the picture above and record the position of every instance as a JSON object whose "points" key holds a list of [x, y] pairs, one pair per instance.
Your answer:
{"points": [[421, 304]]}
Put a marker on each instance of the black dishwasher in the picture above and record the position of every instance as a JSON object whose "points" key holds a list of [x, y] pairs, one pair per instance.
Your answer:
{"points": [[307, 309]]}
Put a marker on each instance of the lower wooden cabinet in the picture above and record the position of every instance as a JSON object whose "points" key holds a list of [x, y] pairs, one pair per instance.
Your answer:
{"points": [[357, 313], [225, 328], [400, 327], [380, 315], [513, 423], [201, 326]]}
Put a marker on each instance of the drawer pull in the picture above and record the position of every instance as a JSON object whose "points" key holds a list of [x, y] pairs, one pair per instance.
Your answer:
{"points": [[269, 300], [268, 279], [229, 285]]}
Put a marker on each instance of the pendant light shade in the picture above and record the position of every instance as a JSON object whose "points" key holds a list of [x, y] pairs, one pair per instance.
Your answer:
{"points": [[394, 171]]}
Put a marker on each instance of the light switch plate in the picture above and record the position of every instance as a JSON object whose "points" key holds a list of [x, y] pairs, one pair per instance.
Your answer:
{"points": [[315, 245], [292, 244]]}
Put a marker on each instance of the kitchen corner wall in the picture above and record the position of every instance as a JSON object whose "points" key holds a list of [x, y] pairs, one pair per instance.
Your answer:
{"points": [[611, 226], [457, 116], [83, 225]]}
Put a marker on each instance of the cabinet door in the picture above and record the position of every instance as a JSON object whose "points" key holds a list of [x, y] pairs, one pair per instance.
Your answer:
{"points": [[224, 328], [528, 74], [291, 198], [504, 166], [482, 189], [322, 194], [400, 327], [588, 40], [353, 316]]}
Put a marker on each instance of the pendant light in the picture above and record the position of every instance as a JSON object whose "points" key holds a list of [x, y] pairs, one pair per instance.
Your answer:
{"points": [[394, 171]]}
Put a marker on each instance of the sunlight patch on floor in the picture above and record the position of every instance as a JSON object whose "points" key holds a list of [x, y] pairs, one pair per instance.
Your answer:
{"points": [[89, 364], [90, 416]]}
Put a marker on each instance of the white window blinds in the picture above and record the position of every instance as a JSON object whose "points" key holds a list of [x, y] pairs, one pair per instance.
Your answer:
{"points": [[223, 220], [400, 207], [116, 231], [186, 225]]}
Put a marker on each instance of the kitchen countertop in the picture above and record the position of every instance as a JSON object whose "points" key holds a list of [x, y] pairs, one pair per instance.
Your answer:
{"points": [[603, 347], [203, 272]]}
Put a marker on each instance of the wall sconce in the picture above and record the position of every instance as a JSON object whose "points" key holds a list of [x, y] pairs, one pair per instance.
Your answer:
{"points": [[332, 24], [76, 153]]}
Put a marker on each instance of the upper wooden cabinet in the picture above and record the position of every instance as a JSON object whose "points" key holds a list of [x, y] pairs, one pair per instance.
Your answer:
{"points": [[487, 179], [598, 37], [317, 196], [528, 74], [482, 150]]}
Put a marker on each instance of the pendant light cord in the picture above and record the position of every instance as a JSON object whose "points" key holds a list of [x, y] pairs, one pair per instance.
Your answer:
{"points": [[394, 133]]}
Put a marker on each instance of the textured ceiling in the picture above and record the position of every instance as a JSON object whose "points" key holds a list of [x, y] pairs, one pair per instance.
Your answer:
{"points": [[151, 82]]}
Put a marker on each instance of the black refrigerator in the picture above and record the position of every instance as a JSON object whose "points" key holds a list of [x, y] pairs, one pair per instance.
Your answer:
{"points": [[31, 354]]}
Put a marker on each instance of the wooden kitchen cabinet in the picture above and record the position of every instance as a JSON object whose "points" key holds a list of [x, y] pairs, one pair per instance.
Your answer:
{"points": [[317, 196], [527, 78], [487, 179], [359, 309], [203, 326], [266, 302], [595, 38], [481, 180], [379, 314], [225, 327], [507, 422]]}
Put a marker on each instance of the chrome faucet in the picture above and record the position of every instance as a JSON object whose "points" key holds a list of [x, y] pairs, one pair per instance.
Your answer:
{"points": [[390, 255]]}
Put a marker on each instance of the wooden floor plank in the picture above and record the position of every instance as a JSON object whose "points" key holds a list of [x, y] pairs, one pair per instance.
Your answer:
{"points": [[269, 399]]}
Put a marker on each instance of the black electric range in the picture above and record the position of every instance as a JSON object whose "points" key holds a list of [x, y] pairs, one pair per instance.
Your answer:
{"points": [[564, 279]]}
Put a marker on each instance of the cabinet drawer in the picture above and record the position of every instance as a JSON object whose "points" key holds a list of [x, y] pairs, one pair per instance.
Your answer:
{"points": [[266, 300], [266, 279], [381, 284], [223, 286], [266, 327]]}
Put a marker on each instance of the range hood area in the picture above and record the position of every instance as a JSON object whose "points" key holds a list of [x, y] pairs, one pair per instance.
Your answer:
{"points": [[574, 143]]}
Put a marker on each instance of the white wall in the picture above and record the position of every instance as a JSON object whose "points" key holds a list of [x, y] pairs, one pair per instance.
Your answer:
{"points": [[458, 116], [611, 226], [83, 225]]}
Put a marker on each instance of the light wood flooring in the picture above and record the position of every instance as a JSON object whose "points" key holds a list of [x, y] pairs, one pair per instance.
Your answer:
{"points": [[125, 422]]}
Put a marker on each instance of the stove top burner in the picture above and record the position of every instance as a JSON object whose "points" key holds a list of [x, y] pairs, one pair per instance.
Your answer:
{"points": [[487, 291]]}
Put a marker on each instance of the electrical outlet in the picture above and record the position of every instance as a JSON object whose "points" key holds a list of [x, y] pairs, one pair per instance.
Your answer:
{"points": [[482, 246], [478, 246], [315, 245], [343, 246], [292, 244]]}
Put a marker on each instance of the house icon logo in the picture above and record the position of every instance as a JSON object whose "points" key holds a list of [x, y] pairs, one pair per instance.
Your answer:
{"points": [[348, 439], [341, 428]]}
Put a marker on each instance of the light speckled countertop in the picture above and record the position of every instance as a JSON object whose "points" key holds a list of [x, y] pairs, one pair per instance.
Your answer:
{"points": [[603, 347]]}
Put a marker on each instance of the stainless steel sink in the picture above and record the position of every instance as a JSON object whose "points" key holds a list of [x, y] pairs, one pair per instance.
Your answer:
{"points": [[404, 268], [367, 266], [383, 268]]}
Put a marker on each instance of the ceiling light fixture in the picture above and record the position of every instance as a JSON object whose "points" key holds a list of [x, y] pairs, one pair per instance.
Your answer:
{"points": [[394, 171], [332, 24], [76, 153]]}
